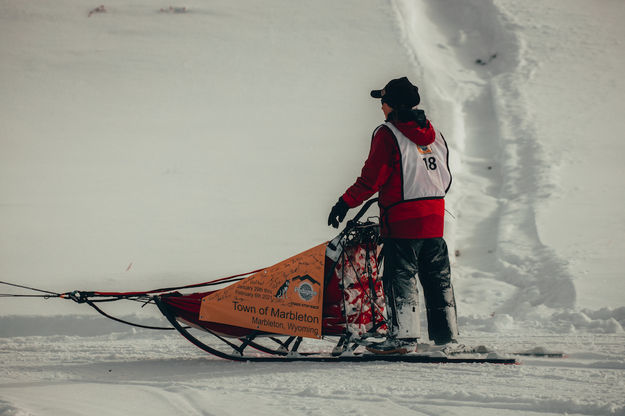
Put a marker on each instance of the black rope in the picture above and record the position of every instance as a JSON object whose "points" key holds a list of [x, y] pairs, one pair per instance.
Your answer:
{"points": [[81, 297], [101, 312], [12, 295], [31, 288], [193, 286]]}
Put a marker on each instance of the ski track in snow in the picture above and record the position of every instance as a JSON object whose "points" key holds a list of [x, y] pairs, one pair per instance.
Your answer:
{"points": [[502, 177]]}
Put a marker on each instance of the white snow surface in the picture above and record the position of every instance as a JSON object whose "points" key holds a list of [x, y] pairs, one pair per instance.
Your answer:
{"points": [[142, 149]]}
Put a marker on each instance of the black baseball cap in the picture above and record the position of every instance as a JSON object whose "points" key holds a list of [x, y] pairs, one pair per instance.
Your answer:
{"points": [[399, 92]]}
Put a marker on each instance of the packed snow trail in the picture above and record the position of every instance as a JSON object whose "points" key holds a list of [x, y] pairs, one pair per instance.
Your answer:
{"points": [[160, 373], [477, 58], [573, 93]]}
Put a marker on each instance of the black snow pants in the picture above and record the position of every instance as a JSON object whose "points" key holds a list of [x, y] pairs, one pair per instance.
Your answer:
{"points": [[429, 260]]}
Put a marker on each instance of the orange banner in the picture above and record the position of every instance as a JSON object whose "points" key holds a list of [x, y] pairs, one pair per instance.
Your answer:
{"points": [[283, 299]]}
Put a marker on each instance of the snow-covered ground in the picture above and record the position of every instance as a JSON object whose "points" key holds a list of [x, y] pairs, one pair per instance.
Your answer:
{"points": [[124, 373], [142, 149]]}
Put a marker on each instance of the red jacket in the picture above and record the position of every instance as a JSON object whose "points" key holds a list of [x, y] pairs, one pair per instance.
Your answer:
{"points": [[423, 218]]}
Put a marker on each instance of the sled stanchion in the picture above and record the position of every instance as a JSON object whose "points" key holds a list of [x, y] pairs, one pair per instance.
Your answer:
{"points": [[268, 350], [360, 213], [298, 342]]}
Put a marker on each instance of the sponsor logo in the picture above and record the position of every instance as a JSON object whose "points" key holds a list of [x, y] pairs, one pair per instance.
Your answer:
{"points": [[424, 150], [305, 291], [302, 285]]}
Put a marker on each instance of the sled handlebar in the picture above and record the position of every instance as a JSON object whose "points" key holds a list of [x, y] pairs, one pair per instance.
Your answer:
{"points": [[362, 211]]}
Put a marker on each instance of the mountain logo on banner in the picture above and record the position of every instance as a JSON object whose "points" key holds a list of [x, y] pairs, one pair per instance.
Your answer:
{"points": [[305, 289]]}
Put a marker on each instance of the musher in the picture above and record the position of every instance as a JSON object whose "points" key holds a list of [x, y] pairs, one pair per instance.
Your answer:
{"points": [[408, 166]]}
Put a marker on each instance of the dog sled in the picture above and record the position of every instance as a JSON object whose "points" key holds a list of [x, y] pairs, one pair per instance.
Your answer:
{"points": [[333, 291]]}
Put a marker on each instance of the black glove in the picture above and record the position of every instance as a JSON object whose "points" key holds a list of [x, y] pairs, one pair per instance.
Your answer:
{"points": [[337, 215]]}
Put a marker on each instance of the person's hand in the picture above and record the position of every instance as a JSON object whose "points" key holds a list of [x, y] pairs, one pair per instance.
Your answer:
{"points": [[337, 215]]}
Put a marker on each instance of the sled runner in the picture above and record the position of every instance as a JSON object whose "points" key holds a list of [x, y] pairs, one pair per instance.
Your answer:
{"points": [[332, 291]]}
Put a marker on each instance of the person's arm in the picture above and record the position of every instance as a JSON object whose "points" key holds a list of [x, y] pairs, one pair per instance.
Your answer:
{"points": [[376, 170]]}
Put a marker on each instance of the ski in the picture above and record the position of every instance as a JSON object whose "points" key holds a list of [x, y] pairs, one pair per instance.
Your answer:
{"points": [[407, 358], [456, 349], [541, 352]]}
